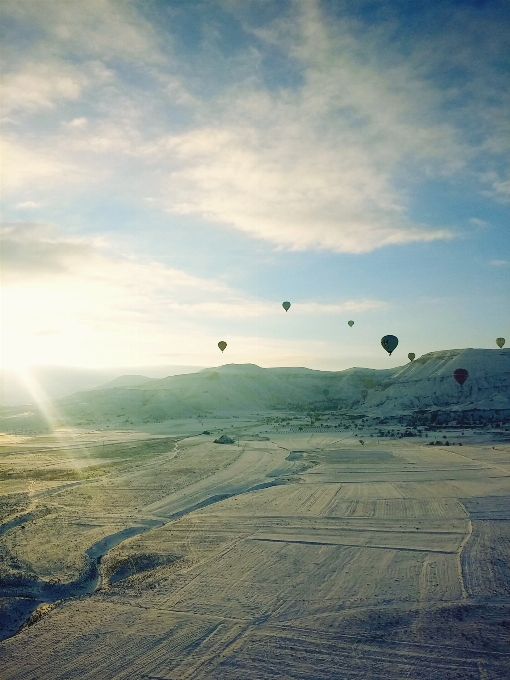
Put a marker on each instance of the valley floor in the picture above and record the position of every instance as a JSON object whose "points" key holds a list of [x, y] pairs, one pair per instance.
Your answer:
{"points": [[303, 556]]}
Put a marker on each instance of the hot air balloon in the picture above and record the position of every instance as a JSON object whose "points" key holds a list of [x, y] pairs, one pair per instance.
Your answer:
{"points": [[411, 356], [351, 323], [325, 392], [286, 306], [222, 344], [389, 342], [460, 375], [500, 342]]}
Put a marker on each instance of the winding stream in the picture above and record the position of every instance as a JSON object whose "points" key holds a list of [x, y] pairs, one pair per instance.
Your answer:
{"points": [[37, 591]]}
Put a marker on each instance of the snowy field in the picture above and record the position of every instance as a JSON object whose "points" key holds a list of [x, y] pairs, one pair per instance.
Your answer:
{"points": [[304, 555]]}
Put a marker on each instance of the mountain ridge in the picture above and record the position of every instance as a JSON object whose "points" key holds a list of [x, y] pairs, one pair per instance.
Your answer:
{"points": [[426, 384]]}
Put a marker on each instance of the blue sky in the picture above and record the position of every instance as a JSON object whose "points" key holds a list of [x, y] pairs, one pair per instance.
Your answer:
{"points": [[173, 170]]}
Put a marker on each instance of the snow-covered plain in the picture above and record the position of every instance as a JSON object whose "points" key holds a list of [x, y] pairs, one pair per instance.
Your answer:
{"points": [[300, 555]]}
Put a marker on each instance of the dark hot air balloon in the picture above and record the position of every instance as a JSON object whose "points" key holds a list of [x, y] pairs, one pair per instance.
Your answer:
{"points": [[460, 375], [351, 323], [325, 392], [222, 344], [411, 356], [500, 342], [286, 306], [389, 342]]}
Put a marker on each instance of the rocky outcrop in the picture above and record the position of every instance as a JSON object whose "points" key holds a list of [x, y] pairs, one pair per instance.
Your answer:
{"points": [[224, 439], [427, 384]]}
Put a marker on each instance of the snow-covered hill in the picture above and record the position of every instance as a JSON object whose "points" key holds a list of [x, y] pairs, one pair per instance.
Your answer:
{"points": [[54, 382], [428, 384], [127, 381], [230, 389], [420, 392]]}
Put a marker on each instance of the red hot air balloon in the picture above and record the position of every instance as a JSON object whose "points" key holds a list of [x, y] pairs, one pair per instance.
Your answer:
{"points": [[460, 375]]}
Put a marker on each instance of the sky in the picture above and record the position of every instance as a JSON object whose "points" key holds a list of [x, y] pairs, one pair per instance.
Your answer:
{"points": [[173, 170]]}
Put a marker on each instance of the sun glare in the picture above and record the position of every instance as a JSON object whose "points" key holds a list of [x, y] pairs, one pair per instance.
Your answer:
{"points": [[40, 398]]}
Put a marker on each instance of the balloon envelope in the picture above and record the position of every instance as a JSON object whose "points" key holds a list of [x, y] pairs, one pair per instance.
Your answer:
{"points": [[286, 306], [460, 375], [389, 342], [500, 342], [411, 356], [351, 323], [325, 392], [222, 344]]}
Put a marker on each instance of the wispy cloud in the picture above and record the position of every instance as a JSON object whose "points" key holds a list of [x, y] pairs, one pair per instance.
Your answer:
{"points": [[28, 205], [41, 86], [320, 165], [73, 299]]}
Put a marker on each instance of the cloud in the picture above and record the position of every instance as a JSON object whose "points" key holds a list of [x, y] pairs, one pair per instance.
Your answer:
{"points": [[329, 162], [500, 263], [27, 167], [28, 205], [31, 250], [477, 222], [80, 300], [314, 167], [501, 190], [290, 188], [40, 86], [97, 28]]}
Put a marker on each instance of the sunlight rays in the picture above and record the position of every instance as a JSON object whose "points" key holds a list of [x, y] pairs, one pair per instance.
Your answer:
{"points": [[51, 415]]}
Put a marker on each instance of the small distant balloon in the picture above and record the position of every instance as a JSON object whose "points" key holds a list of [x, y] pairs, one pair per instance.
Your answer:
{"points": [[222, 344], [351, 323], [286, 306], [411, 356], [500, 342], [325, 392], [389, 342], [460, 375]]}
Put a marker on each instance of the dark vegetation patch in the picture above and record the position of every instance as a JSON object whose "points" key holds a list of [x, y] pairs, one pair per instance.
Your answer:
{"points": [[144, 447], [57, 474], [123, 451], [13, 504], [484, 627], [342, 457], [486, 559], [488, 507]]}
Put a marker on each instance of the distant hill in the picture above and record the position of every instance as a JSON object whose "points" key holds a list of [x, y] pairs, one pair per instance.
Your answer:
{"points": [[127, 381], [230, 389], [59, 381], [419, 393]]}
